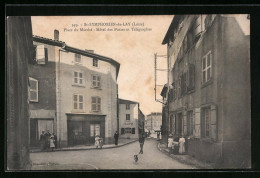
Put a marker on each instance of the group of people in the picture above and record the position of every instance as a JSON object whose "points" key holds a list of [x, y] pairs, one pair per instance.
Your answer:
{"points": [[178, 142], [48, 140]]}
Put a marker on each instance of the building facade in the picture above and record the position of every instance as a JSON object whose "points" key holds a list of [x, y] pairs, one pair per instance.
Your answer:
{"points": [[131, 119], [208, 92], [19, 47], [153, 122], [77, 93]]}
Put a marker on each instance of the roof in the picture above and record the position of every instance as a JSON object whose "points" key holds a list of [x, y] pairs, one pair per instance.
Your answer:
{"points": [[76, 50], [122, 101], [174, 23], [154, 113]]}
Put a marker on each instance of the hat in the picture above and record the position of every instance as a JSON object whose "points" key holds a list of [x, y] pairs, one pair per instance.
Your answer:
{"points": [[170, 135]]}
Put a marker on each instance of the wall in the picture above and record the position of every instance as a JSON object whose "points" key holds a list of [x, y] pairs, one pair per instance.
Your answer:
{"points": [[107, 92], [19, 52], [132, 123]]}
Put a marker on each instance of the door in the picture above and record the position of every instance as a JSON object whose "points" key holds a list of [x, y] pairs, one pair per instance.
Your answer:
{"points": [[94, 130], [34, 133], [180, 128]]}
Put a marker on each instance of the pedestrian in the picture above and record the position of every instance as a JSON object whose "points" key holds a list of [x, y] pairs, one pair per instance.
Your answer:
{"points": [[116, 135], [182, 145], [141, 141], [42, 141], [52, 142], [55, 140], [47, 139], [170, 142], [97, 140]]}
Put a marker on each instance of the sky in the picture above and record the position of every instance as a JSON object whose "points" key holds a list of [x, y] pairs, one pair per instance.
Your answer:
{"points": [[133, 49]]}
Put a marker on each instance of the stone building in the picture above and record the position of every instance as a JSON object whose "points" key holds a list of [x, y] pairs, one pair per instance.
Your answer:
{"points": [[77, 93], [19, 47], [208, 90], [131, 119], [153, 121]]}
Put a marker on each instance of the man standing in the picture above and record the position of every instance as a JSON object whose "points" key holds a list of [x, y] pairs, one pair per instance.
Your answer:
{"points": [[42, 141], [141, 141], [116, 135]]}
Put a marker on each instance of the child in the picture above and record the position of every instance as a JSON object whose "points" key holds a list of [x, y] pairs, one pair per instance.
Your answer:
{"points": [[52, 145]]}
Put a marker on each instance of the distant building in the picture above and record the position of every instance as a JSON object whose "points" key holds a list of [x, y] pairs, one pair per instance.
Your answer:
{"points": [[153, 121], [74, 95], [131, 119], [208, 93], [19, 48]]}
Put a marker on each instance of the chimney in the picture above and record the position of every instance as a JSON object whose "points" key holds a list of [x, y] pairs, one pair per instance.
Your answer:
{"points": [[56, 35]]}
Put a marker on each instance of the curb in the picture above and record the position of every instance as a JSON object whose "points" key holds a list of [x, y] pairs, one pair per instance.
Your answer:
{"points": [[80, 149]]}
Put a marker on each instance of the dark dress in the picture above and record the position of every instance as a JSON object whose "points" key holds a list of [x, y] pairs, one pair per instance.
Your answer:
{"points": [[116, 138]]}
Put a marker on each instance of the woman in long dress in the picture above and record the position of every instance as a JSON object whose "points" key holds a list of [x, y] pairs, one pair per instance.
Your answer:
{"points": [[182, 146], [52, 145]]}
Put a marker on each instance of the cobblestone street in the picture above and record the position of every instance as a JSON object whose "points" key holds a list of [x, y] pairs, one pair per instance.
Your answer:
{"points": [[114, 158]]}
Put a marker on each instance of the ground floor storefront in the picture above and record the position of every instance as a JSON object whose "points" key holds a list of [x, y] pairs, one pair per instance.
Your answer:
{"points": [[82, 128]]}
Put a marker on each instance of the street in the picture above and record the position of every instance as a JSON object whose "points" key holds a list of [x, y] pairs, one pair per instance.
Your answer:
{"points": [[115, 158]]}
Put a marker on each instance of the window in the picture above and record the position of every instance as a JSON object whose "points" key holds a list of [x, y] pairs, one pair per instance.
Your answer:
{"points": [[41, 54], [95, 62], [128, 130], [78, 78], [127, 106], [190, 123], [94, 129], [33, 94], [78, 102], [78, 58], [206, 67], [127, 117], [96, 81], [205, 122], [96, 103]]}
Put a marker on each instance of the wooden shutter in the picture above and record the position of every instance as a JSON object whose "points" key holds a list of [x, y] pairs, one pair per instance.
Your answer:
{"points": [[191, 77], [213, 122], [46, 55], [197, 123]]}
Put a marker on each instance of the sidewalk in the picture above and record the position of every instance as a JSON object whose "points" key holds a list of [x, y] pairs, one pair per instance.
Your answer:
{"points": [[121, 142], [186, 159]]}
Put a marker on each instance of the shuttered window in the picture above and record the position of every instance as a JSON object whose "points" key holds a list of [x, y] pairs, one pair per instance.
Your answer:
{"points": [[33, 95], [191, 77], [78, 78], [95, 62], [96, 103], [96, 79], [133, 130], [78, 58], [205, 122], [206, 67], [190, 123], [78, 102]]}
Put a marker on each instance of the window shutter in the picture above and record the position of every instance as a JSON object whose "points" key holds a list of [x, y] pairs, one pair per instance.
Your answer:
{"points": [[197, 123], [213, 122], [133, 130], [122, 131], [40, 54], [46, 55], [185, 124]]}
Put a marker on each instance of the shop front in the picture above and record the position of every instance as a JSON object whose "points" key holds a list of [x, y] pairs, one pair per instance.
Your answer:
{"points": [[82, 128]]}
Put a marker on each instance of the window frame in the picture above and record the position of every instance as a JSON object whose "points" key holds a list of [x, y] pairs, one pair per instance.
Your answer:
{"points": [[75, 58], [77, 102], [205, 58], [34, 90], [96, 81], [95, 62], [126, 116], [190, 123], [78, 78], [205, 122], [96, 104], [127, 106]]}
